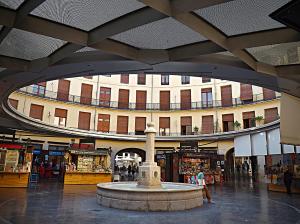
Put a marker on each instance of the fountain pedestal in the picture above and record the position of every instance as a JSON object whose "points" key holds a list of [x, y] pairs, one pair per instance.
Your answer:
{"points": [[149, 172]]}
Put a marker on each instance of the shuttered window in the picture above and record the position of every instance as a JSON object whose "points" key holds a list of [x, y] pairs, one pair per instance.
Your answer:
{"points": [[185, 99], [36, 111], [271, 114], [141, 79], [164, 126], [103, 122], [268, 94], [63, 90], [207, 124], [13, 103], [104, 99], [206, 97], [164, 79], [86, 93], [228, 120], [123, 99], [186, 125], [60, 117], [205, 79], [141, 98], [84, 120], [164, 100], [249, 119], [226, 96], [60, 113], [246, 92], [125, 78], [122, 125], [140, 125]]}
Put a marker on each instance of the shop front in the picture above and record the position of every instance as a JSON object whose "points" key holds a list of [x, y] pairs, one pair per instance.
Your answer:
{"points": [[87, 166], [15, 165]]}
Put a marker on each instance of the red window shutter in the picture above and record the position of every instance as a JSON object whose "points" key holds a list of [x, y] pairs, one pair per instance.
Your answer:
{"points": [[185, 102], [86, 93], [226, 96], [141, 98], [103, 122], [164, 100], [207, 124], [246, 92], [125, 78], [268, 94], [36, 111], [123, 99], [249, 115], [105, 94], [14, 103], [84, 120], [228, 117], [60, 113], [271, 114], [122, 125], [164, 122], [140, 123], [141, 79], [186, 121], [63, 90]]}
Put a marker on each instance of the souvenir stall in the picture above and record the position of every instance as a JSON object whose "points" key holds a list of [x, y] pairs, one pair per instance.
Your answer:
{"points": [[276, 165], [15, 165], [85, 165]]}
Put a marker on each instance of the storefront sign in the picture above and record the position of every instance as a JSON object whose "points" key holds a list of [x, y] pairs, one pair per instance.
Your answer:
{"points": [[85, 152], [36, 152], [56, 153]]}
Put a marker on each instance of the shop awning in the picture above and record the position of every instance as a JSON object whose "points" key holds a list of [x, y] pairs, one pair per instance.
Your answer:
{"points": [[11, 146], [259, 144], [242, 145]]}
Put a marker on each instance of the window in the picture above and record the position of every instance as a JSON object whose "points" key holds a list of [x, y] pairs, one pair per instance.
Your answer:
{"points": [[164, 126], [185, 79], [164, 80], [104, 100], [140, 125], [246, 94], [84, 120], [141, 79], [103, 122], [228, 120], [36, 111], [60, 117], [206, 96], [125, 78], [39, 89], [206, 79], [88, 77], [13, 103], [186, 125], [271, 115], [249, 119]]}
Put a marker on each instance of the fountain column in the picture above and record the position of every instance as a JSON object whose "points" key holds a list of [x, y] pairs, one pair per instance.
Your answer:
{"points": [[149, 172]]}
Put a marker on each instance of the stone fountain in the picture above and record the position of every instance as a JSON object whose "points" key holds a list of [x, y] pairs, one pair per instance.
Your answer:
{"points": [[148, 193]]}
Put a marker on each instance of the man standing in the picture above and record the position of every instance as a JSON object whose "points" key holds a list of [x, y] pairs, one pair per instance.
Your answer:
{"points": [[288, 178]]}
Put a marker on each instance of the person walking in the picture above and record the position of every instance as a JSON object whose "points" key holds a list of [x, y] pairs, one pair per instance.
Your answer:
{"points": [[201, 183], [288, 178]]}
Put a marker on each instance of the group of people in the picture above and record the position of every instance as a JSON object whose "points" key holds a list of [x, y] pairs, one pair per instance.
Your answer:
{"points": [[245, 167], [127, 173]]}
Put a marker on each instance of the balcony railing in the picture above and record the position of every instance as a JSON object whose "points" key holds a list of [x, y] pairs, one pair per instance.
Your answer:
{"points": [[136, 106]]}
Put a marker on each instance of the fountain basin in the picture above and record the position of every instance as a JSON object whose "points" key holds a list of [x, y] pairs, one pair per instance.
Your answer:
{"points": [[170, 197]]}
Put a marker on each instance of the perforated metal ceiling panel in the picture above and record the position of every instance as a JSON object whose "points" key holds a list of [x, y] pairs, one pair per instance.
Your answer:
{"points": [[85, 15], [12, 4], [162, 34], [242, 16], [29, 46], [278, 54]]}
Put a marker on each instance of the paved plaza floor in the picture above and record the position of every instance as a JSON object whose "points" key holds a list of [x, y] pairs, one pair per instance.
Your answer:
{"points": [[234, 202]]}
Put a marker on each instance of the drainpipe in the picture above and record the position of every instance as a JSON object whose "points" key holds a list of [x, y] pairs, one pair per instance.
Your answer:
{"points": [[215, 96], [97, 98]]}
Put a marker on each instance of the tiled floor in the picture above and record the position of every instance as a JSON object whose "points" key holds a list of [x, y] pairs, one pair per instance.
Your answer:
{"points": [[239, 202]]}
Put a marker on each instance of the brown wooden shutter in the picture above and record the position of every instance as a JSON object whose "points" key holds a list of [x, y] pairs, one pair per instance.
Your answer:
{"points": [[122, 125], [125, 78], [206, 90], [185, 102], [103, 122], [140, 123], [141, 98], [186, 121], [207, 124], [164, 122], [226, 96], [249, 115], [246, 92], [86, 93], [14, 103], [60, 113], [271, 114], [36, 111], [268, 94], [228, 117], [141, 79], [164, 100], [105, 94], [123, 98], [84, 120], [63, 90]]}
